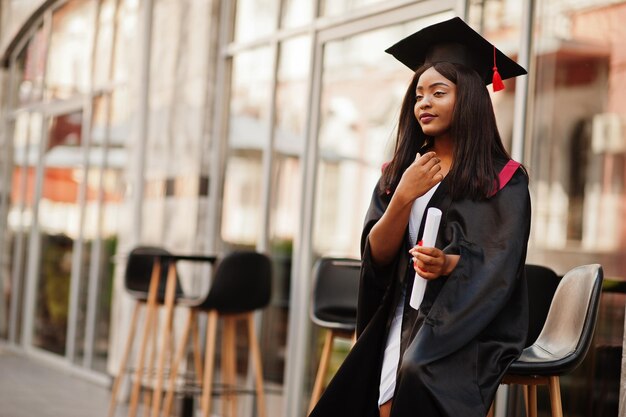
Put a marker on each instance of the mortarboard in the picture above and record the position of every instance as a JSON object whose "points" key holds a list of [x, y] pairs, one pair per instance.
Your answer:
{"points": [[455, 41]]}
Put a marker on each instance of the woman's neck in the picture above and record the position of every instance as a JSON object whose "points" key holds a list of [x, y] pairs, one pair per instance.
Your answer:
{"points": [[443, 146]]}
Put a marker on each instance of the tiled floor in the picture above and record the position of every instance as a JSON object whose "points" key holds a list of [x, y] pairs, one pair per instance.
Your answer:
{"points": [[29, 388], [32, 388]]}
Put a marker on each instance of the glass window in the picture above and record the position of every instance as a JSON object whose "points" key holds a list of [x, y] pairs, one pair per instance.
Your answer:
{"points": [[255, 18], [63, 53], [289, 133], [26, 134], [296, 13], [127, 54], [291, 95], [102, 209], [58, 215], [499, 22], [71, 42], [241, 216], [579, 172], [178, 85], [577, 162], [29, 70], [362, 89], [177, 98], [89, 230], [248, 135], [104, 42], [341, 7], [164, 87]]}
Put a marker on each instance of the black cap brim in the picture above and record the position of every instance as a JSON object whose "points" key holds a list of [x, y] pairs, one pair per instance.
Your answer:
{"points": [[454, 41]]}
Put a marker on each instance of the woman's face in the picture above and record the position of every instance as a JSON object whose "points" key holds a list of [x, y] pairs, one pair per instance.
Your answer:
{"points": [[435, 96]]}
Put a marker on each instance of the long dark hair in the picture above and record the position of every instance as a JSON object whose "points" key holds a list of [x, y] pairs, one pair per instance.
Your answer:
{"points": [[477, 144]]}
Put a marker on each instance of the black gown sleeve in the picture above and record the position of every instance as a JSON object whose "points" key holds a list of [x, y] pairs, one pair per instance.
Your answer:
{"points": [[374, 279]]}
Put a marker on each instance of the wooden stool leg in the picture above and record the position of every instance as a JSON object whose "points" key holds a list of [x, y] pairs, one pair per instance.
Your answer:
{"points": [[124, 361], [555, 396], [147, 394], [224, 366], [321, 370], [258, 366], [182, 348], [227, 371], [170, 293], [490, 412], [150, 313], [232, 366], [532, 401], [526, 400], [197, 357], [209, 361]]}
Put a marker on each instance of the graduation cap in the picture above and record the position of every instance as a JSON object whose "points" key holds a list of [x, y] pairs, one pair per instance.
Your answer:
{"points": [[455, 41]]}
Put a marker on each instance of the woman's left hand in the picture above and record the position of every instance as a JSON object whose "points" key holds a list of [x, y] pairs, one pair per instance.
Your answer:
{"points": [[431, 263]]}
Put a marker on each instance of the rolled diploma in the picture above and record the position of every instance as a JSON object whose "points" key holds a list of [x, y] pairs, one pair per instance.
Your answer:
{"points": [[429, 238]]}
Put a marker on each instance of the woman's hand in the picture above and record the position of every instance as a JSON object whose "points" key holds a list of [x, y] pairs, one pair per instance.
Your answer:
{"points": [[387, 235], [419, 177], [431, 263]]}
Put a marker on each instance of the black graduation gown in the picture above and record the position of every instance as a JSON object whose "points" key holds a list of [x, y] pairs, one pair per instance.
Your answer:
{"points": [[471, 324]]}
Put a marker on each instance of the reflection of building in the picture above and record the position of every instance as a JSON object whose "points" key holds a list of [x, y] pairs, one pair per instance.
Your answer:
{"points": [[204, 125], [581, 195]]}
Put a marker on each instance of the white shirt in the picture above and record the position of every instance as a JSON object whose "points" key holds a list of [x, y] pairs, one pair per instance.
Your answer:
{"points": [[392, 349]]}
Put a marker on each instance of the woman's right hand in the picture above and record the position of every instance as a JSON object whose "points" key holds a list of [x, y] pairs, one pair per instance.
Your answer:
{"points": [[387, 235], [419, 177]]}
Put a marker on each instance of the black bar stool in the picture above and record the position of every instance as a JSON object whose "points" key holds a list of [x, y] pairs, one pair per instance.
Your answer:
{"points": [[142, 267], [333, 307], [564, 339], [241, 285]]}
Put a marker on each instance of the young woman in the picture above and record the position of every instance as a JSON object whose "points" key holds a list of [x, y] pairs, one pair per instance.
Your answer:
{"points": [[447, 357]]}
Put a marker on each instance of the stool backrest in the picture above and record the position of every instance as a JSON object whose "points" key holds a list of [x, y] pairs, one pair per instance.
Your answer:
{"points": [[242, 283], [139, 270], [571, 321], [541, 283], [335, 292]]}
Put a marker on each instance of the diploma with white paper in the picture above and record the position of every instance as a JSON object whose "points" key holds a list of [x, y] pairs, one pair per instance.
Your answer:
{"points": [[429, 238]]}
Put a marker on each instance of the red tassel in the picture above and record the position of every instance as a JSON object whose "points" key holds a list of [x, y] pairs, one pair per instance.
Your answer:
{"points": [[498, 85], [496, 81]]}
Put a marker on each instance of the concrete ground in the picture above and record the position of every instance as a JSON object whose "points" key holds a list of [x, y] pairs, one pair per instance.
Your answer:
{"points": [[30, 388]]}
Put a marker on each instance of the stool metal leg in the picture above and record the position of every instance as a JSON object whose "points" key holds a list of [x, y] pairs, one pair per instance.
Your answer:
{"points": [[124, 360], [258, 367]]}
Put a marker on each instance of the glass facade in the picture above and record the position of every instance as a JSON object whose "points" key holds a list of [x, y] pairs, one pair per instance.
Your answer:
{"points": [[248, 137], [209, 126], [577, 164], [500, 21], [57, 217], [71, 42], [66, 131]]}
